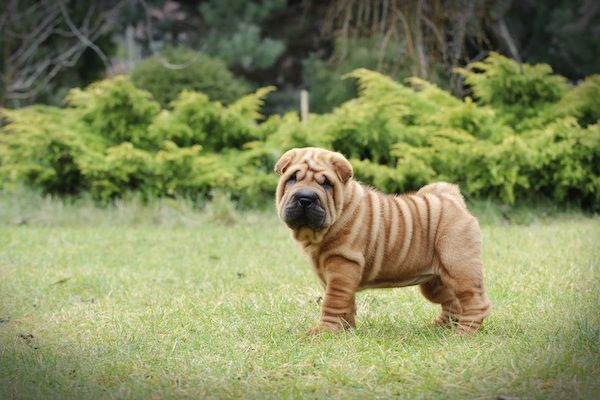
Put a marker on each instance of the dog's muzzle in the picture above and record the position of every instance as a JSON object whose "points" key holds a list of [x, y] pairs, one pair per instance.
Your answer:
{"points": [[304, 210]]}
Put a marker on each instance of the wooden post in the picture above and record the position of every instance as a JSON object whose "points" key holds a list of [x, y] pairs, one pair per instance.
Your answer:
{"points": [[304, 105]]}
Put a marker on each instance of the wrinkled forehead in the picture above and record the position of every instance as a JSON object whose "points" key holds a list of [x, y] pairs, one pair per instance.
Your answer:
{"points": [[312, 160]]}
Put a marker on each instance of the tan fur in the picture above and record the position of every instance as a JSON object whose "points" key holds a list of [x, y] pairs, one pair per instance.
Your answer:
{"points": [[373, 240]]}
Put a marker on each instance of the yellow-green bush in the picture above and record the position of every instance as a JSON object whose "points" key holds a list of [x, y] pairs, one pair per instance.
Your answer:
{"points": [[45, 147], [521, 94], [195, 120], [113, 140], [583, 102], [116, 110], [526, 135]]}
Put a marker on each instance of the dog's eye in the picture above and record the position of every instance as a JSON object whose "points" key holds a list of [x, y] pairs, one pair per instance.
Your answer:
{"points": [[292, 180], [326, 184]]}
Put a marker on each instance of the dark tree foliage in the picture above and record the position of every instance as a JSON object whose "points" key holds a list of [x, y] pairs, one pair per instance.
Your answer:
{"points": [[174, 70], [562, 33], [46, 48]]}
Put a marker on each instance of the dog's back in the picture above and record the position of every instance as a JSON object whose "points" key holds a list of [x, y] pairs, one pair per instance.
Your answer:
{"points": [[444, 189]]}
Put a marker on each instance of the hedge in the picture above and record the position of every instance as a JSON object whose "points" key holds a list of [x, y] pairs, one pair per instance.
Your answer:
{"points": [[525, 134]]}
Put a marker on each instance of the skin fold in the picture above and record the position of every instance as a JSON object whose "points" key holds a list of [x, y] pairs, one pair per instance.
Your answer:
{"points": [[358, 238]]}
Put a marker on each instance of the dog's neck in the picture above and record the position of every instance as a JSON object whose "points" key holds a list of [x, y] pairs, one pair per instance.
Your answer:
{"points": [[306, 236], [353, 196]]}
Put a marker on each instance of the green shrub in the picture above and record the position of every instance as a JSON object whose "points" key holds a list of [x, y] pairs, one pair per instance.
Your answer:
{"points": [[402, 137], [175, 70], [116, 110], [190, 122], [583, 102], [121, 170], [74, 150], [399, 137], [42, 147], [382, 177], [519, 93], [568, 162], [254, 179], [189, 172], [196, 120]]}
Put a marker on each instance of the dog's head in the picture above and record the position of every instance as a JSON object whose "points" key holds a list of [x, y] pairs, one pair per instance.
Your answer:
{"points": [[310, 193]]}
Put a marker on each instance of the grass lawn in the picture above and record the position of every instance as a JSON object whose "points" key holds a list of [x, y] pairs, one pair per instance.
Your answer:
{"points": [[114, 307]]}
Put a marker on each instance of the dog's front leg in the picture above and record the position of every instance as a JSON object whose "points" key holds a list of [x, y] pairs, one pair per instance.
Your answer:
{"points": [[338, 310]]}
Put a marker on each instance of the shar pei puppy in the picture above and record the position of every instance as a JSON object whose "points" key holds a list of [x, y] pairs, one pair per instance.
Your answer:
{"points": [[358, 238]]}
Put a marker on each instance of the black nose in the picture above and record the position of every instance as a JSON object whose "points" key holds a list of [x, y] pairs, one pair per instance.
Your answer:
{"points": [[306, 197], [305, 202]]}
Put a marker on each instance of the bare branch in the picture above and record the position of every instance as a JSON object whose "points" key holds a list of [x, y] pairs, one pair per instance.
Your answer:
{"points": [[451, 22], [27, 70], [80, 36], [438, 36], [39, 35], [510, 43]]}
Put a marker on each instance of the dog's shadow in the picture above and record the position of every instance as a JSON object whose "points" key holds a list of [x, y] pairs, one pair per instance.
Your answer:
{"points": [[390, 329]]}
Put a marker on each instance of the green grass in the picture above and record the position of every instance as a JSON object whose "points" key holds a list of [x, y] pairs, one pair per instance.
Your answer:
{"points": [[165, 302]]}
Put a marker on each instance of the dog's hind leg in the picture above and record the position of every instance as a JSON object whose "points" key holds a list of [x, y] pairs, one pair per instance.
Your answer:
{"points": [[436, 292], [465, 278], [473, 300], [459, 250]]}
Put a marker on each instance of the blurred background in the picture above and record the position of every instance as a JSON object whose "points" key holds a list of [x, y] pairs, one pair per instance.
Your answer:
{"points": [[50, 46]]}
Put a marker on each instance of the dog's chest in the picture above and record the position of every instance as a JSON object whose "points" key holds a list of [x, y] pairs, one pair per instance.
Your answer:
{"points": [[312, 253]]}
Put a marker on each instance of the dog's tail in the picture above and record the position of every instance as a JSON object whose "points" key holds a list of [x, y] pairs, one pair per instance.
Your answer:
{"points": [[444, 189]]}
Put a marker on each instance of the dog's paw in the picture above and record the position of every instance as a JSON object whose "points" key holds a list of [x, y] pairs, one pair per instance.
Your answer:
{"points": [[322, 328], [441, 321], [467, 330], [446, 321]]}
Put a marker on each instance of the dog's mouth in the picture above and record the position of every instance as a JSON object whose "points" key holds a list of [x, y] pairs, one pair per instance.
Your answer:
{"points": [[297, 215]]}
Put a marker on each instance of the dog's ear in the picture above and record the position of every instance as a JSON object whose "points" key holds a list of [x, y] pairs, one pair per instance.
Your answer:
{"points": [[285, 161], [342, 167]]}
